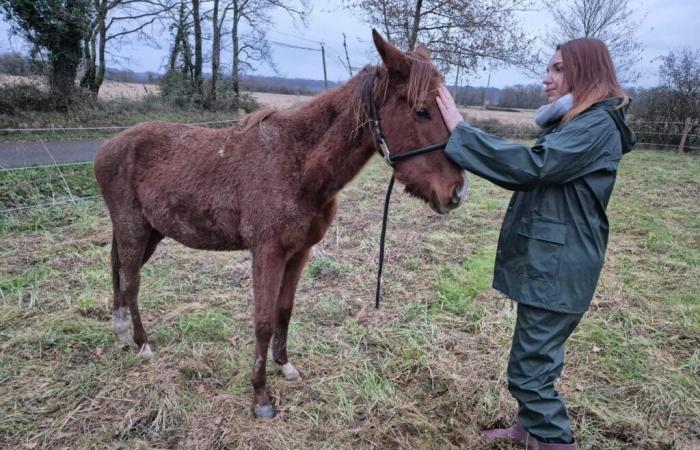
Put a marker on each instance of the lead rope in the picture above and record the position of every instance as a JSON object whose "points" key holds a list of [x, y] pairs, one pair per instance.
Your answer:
{"points": [[382, 242]]}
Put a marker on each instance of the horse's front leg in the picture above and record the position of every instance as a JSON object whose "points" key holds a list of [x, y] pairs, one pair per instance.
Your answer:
{"points": [[269, 263], [285, 303]]}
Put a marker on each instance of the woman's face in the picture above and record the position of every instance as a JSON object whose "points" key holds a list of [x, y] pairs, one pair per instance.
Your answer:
{"points": [[554, 83]]}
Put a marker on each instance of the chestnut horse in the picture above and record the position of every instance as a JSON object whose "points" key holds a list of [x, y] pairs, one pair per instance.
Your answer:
{"points": [[268, 185]]}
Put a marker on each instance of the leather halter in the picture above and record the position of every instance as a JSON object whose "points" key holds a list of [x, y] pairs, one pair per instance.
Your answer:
{"points": [[376, 127]]}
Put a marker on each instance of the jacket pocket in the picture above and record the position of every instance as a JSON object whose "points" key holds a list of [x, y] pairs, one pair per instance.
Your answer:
{"points": [[544, 242]]}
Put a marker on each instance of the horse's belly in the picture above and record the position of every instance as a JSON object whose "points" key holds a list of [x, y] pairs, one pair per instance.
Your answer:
{"points": [[200, 230]]}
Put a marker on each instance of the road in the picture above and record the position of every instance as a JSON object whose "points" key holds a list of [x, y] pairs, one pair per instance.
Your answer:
{"points": [[25, 154]]}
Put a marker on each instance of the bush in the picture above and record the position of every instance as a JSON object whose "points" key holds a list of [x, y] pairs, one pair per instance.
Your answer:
{"points": [[32, 95], [176, 89]]}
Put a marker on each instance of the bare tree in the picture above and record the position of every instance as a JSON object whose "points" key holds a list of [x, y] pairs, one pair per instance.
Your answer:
{"points": [[197, 80], [252, 46], [113, 20], [663, 114], [217, 22], [611, 21], [460, 33]]}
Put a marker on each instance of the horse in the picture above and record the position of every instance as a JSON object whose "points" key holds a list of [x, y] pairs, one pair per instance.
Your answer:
{"points": [[267, 185]]}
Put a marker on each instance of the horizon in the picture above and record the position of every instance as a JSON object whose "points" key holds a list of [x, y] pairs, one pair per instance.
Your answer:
{"points": [[664, 26]]}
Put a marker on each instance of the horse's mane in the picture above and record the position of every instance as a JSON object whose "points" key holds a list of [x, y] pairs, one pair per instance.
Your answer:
{"points": [[371, 77], [254, 120]]}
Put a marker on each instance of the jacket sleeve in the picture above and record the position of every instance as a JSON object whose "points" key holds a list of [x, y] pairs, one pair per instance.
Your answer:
{"points": [[577, 149]]}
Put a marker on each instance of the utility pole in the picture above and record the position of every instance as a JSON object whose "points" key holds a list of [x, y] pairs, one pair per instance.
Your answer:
{"points": [[345, 45], [323, 57], [486, 92]]}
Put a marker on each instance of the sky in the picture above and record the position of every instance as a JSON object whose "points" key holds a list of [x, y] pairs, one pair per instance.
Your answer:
{"points": [[664, 25]]}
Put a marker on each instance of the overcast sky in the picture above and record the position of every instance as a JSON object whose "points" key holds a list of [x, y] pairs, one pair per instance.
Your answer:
{"points": [[665, 25]]}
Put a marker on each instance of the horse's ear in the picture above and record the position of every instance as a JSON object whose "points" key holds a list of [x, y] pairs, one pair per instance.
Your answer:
{"points": [[393, 58]]}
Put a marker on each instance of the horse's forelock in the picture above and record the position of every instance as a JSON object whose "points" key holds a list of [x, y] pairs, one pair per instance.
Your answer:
{"points": [[420, 80], [376, 78]]}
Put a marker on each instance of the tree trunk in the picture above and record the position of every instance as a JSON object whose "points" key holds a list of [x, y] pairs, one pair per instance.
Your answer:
{"points": [[415, 25], [89, 61], [178, 36], [100, 75], [197, 69], [215, 52], [64, 68], [236, 65]]}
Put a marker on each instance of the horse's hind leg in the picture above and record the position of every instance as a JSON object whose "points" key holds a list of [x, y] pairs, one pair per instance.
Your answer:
{"points": [[269, 263], [134, 244], [120, 315], [285, 303]]}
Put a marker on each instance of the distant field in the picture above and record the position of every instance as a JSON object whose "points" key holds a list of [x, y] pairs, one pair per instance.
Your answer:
{"points": [[111, 90]]}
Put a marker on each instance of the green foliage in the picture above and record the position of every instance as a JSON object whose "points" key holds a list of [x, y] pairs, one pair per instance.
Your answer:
{"points": [[178, 90], [57, 27]]}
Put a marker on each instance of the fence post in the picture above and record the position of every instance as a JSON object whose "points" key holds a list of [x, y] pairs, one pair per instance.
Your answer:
{"points": [[684, 136]]}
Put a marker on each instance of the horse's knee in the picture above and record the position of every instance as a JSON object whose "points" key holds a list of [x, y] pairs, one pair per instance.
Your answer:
{"points": [[264, 330]]}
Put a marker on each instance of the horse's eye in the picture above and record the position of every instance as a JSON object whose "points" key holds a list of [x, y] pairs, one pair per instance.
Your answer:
{"points": [[422, 113]]}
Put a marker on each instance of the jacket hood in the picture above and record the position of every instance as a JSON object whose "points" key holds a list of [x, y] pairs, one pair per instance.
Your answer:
{"points": [[618, 115]]}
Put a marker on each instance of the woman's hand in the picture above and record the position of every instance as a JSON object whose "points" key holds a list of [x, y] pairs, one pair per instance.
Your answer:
{"points": [[448, 109]]}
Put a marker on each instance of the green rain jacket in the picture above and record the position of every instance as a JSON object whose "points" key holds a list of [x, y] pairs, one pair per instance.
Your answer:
{"points": [[553, 238]]}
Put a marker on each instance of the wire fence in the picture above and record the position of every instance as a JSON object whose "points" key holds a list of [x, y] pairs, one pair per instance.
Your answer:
{"points": [[69, 196], [106, 128]]}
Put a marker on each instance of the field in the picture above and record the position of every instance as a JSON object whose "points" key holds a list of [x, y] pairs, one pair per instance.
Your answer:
{"points": [[427, 370]]}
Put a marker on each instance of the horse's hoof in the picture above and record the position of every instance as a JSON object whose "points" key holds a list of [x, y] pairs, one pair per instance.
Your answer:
{"points": [[264, 412], [290, 372], [146, 352]]}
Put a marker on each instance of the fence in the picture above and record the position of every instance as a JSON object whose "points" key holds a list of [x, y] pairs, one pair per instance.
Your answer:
{"points": [[673, 135]]}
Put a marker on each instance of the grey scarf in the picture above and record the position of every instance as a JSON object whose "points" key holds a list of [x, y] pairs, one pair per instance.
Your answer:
{"points": [[552, 112]]}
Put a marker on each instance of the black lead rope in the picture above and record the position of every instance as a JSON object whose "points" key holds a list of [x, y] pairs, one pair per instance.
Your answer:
{"points": [[381, 243]]}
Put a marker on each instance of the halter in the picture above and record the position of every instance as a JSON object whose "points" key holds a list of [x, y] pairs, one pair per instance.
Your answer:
{"points": [[376, 127]]}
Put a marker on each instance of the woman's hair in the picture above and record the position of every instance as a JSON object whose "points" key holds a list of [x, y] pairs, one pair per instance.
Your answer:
{"points": [[590, 74]]}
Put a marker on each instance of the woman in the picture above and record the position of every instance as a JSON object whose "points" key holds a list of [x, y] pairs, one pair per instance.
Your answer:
{"points": [[553, 239]]}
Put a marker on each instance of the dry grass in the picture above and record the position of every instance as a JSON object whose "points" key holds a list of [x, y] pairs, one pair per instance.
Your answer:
{"points": [[425, 371]]}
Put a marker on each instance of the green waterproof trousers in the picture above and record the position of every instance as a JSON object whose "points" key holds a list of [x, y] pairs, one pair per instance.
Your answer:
{"points": [[536, 361]]}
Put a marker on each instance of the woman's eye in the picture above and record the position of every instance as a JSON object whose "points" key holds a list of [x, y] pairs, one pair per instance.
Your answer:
{"points": [[422, 113]]}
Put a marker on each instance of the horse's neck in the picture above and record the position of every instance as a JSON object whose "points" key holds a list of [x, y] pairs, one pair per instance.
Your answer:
{"points": [[337, 149]]}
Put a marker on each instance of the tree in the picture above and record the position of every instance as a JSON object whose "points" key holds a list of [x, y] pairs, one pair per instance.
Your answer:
{"points": [[521, 96], [253, 46], [114, 20], [460, 33], [58, 28], [611, 21], [198, 59], [662, 113]]}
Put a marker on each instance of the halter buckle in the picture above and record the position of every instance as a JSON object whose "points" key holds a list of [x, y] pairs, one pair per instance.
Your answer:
{"points": [[385, 151]]}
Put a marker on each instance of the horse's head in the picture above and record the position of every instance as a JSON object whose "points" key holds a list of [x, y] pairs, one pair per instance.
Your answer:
{"points": [[405, 91]]}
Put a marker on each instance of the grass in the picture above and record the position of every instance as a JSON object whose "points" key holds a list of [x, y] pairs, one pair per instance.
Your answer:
{"points": [[425, 371]]}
